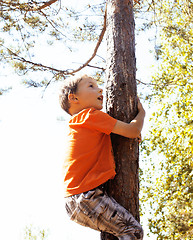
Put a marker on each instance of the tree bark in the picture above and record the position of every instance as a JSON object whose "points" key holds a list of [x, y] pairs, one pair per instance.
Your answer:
{"points": [[121, 103]]}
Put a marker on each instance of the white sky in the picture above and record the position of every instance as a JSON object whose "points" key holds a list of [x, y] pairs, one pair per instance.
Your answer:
{"points": [[32, 143]]}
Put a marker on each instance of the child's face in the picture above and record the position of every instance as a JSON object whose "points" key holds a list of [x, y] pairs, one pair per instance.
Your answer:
{"points": [[89, 94]]}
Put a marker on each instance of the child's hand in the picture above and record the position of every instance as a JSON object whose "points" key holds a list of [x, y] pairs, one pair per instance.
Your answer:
{"points": [[140, 107], [132, 129]]}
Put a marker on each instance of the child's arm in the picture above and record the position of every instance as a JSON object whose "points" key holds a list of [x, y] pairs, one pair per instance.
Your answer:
{"points": [[132, 129]]}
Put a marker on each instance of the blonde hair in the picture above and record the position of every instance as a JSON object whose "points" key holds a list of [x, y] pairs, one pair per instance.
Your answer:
{"points": [[69, 86]]}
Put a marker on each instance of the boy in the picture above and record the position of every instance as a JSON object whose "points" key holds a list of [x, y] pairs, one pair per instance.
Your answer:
{"points": [[89, 161]]}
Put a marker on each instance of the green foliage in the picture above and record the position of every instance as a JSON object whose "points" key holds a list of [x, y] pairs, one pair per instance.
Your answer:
{"points": [[168, 190]]}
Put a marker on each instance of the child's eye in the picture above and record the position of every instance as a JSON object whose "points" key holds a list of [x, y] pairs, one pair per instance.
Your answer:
{"points": [[90, 85]]}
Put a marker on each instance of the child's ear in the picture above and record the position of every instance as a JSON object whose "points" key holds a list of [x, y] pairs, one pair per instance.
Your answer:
{"points": [[72, 98]]}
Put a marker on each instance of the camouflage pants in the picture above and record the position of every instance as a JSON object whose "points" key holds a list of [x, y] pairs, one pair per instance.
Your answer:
{"points": [[95, 209]]}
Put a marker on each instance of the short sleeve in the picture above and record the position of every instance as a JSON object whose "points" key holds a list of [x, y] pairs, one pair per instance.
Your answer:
{"points": [[94, 119]]}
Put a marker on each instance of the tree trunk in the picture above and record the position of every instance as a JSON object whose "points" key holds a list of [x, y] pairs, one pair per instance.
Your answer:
{"points": [[122, 103]]}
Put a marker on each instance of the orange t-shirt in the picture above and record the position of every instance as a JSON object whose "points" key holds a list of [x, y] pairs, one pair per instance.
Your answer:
{"points": [[89, 160]]}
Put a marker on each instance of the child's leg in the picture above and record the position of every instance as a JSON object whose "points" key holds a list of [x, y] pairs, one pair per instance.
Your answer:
{"points": [[95, 209]]}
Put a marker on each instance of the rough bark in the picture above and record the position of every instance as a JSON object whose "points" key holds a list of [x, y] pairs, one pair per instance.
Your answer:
{"points": [[122, 102]]}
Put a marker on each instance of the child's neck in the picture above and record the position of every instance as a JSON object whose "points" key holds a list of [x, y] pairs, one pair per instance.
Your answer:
{"points": [[75, 110]]}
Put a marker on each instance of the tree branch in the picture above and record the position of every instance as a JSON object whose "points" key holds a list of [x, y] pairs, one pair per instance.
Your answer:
{"points": [[46, 4], [147, 84], [96, 48], [65, 72], [62, 72], [26, 6], [101, 68]]}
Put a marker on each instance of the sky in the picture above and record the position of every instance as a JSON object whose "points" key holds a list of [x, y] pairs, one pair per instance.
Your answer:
{"points": [[32, 144]]}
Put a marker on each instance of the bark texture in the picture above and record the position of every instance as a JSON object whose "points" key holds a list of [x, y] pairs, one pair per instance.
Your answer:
{"points": [[122, 103]]}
